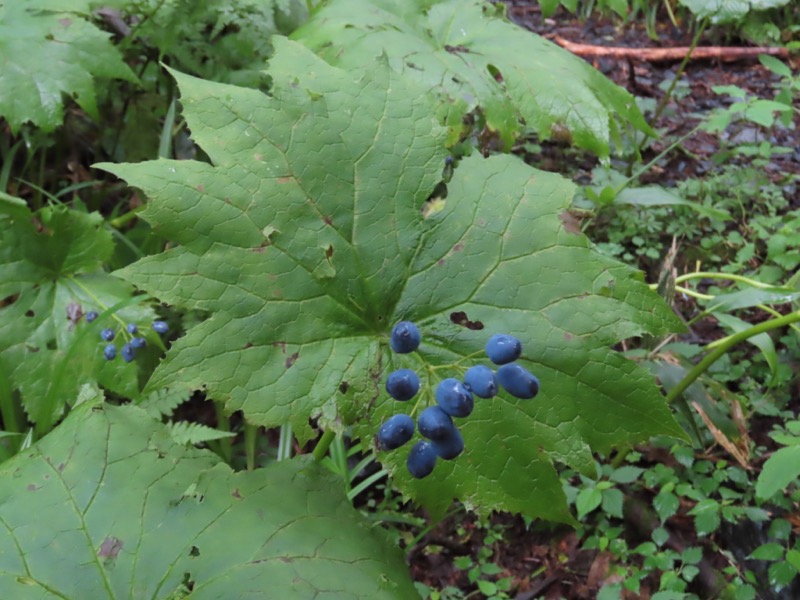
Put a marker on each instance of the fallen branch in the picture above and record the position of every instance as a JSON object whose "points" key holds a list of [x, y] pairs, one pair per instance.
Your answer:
{"points": [[723, 53]]}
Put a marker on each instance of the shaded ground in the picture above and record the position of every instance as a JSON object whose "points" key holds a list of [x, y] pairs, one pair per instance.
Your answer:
{"points": [[547, 562]]}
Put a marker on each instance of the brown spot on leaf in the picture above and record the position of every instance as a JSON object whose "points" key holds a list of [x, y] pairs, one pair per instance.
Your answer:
{"points": [[30, 313], [110, 547], [343, 387], [201, 188], [281, 345], [460, 318], [327, 220], [31, 487], [570, 222], [8, 300], [458, 247], [291, 360], [440, 262], [235, 493], [65, 22], [195, 551], [284, 179], [247, 345], [329, 251]]}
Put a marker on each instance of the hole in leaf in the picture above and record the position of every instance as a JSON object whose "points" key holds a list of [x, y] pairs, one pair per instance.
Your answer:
{"points": [[343, 387], [495, 73], [195, 551], [460, 318], [30, 313]]}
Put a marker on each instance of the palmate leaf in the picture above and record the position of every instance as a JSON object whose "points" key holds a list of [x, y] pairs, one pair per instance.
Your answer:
{"points": [[46, 54], [50, 277], [467, 56], [109, 506], [310, 236]]}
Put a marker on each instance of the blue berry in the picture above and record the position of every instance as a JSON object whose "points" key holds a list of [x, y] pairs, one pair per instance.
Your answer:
{"points": [[454, 399], [138, 342], [503, 349], [517, 381], [403, 384], [480, 381], [91, 316], [395, 432], [132, 328], [128, 352], [435, 424], [110, 352], [421, 459], [405, 337], [160, 326], [107, 334], [451, 446]]}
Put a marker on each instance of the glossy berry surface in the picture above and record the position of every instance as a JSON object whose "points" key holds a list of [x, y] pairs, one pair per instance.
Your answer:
{"points": [[395, 432], [421, 459], [405, 337], [454, 398], [402, 384], [451, 446], [110, 352], [160, 327], [91, 316], [128, 352], [503, 349], [138, 342], [132, 328], [434, 423], [517, 381], [107, 334], [480, 381]]}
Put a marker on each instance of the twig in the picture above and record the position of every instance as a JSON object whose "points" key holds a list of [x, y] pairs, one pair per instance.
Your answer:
{"points": [[723, 53]]}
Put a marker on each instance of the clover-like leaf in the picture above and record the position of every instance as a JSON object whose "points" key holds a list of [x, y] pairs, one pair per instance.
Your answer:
{"points": [[109, 506], [468, 57], [312, 234], [46, 54], [50, 277]]}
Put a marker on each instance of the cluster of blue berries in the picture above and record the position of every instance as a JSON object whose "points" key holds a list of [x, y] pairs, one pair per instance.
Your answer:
{"points": [[128, 350], [454, 399]]}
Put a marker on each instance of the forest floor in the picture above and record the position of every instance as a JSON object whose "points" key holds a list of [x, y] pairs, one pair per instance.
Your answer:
{"points": [[547, 561]]}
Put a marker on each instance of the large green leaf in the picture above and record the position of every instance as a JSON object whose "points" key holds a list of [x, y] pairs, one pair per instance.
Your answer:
{"points": [[726, 11], [468, 57], [49, 278], [310, 236], [108, 506], [46, 54]]}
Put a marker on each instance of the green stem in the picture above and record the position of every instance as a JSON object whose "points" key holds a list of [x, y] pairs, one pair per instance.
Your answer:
{"points": [[657, 158], [665, 99], [321, 449], [250, 440], [224, 424], [721, 349], [675, 393], [727, 276], [8, 408]]}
